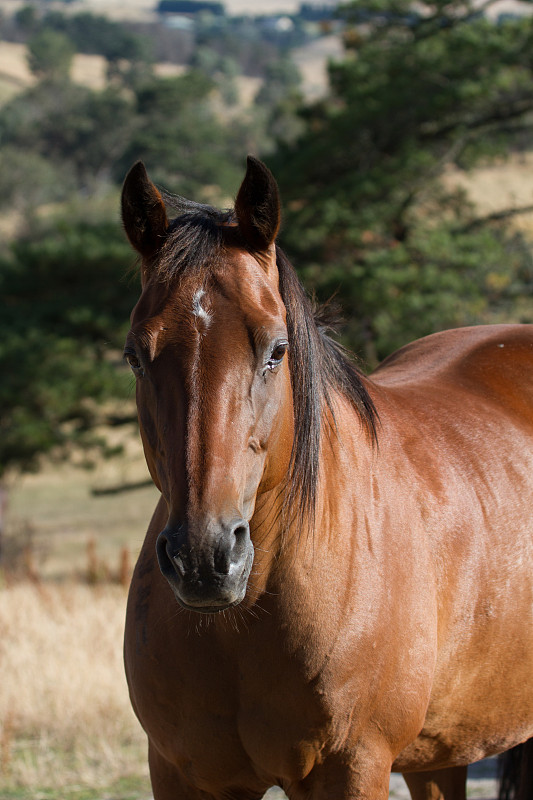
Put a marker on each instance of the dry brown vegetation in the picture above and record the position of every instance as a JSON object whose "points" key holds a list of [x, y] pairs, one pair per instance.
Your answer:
{"points": [[499, 185], [60, 510], [15, 73], [65, 716]]}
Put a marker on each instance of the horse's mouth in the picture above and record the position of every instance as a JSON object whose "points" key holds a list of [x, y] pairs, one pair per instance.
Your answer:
{"points": [[208, 601], [207, 609]]}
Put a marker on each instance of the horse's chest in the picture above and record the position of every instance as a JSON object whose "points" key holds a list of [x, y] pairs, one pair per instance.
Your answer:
{"points": [[228, 722], [284, 728]]}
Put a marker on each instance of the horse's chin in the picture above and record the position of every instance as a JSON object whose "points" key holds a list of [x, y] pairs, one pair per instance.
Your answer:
{"points": [[209, 599]]}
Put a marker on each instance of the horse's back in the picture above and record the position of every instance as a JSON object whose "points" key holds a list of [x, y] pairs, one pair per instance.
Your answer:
{"points": [[491, 362]]}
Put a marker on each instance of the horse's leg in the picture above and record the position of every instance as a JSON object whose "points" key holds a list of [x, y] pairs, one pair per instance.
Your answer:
{"points": [[343, 777], [167, 784], [516, 772], [438, 784], [526, 774], [166, 781]]}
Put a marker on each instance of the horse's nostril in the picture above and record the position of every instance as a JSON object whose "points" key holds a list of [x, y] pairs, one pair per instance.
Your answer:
{"points": [[169, 560], [207, 566], [240, 540], [177, 563], [241, 531], [232, 547]]}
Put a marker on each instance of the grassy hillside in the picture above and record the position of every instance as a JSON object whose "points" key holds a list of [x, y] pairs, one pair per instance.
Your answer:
{"points": [[15, 74]]}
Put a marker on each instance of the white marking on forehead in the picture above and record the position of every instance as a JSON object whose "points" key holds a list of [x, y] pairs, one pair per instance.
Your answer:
{"points": [[197, 308]]}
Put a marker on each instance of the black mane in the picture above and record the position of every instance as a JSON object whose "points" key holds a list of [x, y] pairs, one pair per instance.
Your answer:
{"points": [[319, 365]]}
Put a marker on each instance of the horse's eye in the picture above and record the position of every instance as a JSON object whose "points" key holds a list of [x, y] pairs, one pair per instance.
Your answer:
{"points": [[135, 364], [277, 355]]}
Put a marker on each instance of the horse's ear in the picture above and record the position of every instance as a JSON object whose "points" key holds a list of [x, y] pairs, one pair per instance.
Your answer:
{"points": [[258, 206], [143, 212]]}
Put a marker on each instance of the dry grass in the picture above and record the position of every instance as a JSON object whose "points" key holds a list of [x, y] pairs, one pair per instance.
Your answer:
{"points": [[65, 716], [14, 64], [498, 186], [56, 512], [15, 74]]}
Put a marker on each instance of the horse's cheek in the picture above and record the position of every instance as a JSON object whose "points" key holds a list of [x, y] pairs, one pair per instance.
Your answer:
{"points": [[278, 422], [149, 454]]}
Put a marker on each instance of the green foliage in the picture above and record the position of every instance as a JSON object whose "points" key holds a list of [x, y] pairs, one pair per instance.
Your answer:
{"points": [[279, 99], [281, 78], [26, 18], [222, 69], [179, 136], [399, 291], [415, 93], [63, 314], [98, 35], [253, 45], [91, 136], [50, 54], [69, 124], [29, 179]]}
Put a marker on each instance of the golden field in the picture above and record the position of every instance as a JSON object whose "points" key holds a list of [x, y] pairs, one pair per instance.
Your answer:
{"points": [[64, 707], [66, 726]]}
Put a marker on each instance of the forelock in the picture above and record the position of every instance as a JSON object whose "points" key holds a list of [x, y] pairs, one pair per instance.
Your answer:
{"points": [[195, 239]]}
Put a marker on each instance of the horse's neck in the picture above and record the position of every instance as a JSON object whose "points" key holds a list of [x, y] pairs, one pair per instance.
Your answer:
{"points": [[289, 545]]}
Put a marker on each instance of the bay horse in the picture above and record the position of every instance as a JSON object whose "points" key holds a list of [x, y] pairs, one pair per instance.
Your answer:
{"points": [[337, 579]]}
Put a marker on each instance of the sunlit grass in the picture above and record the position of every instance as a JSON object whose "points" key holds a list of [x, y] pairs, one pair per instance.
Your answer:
{"points": [[65, 716], [57, 513], [123, 789]]}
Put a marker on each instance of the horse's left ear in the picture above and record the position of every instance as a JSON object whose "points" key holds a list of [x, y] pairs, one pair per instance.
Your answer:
{"points": [[258, 206], [143, 212]]}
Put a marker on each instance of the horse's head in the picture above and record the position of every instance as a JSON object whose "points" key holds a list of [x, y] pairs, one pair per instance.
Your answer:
{"points": [[208, 345]]}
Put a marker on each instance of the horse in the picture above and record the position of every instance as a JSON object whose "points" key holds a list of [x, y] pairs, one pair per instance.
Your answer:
{"points": [[337, 579], [515, 769]]}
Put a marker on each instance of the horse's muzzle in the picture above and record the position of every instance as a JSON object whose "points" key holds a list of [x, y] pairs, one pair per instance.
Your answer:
{"points": [[207, 571]]}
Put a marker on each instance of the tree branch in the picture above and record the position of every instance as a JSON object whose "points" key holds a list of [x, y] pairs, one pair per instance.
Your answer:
{"points": [[495, 116], [426, 31], [496, 216]]}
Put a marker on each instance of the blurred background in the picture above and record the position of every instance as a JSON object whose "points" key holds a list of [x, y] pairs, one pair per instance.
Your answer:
{"points": [[401, 135]]}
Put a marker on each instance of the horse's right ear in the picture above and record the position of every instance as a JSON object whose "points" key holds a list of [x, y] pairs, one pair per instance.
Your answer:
{"points": [[143, 212], [257, 206]]}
